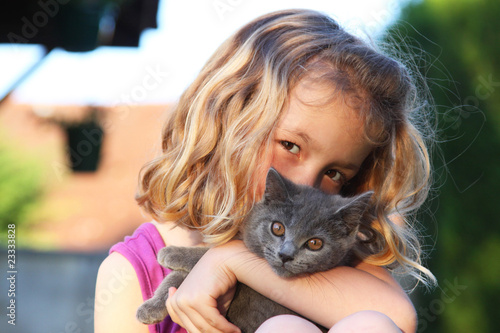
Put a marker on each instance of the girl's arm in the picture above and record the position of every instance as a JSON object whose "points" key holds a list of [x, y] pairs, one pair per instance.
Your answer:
{"points": [[324, 297], [118, 295]]}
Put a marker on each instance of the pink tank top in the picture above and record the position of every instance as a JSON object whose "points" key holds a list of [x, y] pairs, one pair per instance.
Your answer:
{"points": [[141, 250]]}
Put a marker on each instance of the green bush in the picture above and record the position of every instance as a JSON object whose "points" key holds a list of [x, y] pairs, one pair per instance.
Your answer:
{"points": [[21, 185], [459, 41]]}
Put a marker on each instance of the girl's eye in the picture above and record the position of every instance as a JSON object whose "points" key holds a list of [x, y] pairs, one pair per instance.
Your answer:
{"points": [[335, 175], [278, 229], [314, 244], [291, 147]]}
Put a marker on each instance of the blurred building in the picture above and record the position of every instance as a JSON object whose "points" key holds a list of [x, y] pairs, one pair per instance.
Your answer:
{"points": [[90, 210]]}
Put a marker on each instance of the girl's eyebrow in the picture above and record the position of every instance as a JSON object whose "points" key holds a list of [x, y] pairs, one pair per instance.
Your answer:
{"points": [[304, 136], [348, 166]]}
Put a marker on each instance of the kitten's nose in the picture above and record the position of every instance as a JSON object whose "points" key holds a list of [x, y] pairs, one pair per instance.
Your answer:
{"points": [[285, 257], [287, 252]]}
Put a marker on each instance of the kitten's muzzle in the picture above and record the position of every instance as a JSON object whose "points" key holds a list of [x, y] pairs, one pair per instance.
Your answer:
{"points": [[287, 252]]}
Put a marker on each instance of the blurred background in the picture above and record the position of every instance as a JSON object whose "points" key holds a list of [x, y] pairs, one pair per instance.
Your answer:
{"points": [[85, 86]]}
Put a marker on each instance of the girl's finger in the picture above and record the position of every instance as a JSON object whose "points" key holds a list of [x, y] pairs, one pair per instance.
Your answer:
{"points": [[184, 315], [190, 319], [213, 320], [193, 320], [171, 311]]}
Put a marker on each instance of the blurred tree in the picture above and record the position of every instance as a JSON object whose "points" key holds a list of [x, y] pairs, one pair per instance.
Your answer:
{"points": [[21, 186], [460, 42]]}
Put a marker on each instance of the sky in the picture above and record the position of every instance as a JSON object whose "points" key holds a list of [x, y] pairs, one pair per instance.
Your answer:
{"points": [[170, 57]]}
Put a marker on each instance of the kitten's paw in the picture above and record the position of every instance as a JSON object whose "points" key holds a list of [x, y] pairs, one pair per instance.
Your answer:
{"points": [[173, 257], [151, 312], [180, 258]]}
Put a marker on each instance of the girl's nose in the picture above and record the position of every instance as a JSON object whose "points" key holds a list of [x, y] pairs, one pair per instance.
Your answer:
{"points": [[304, 176]]}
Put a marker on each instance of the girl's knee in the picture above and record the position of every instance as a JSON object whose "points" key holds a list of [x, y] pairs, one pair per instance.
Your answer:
{"points": [[366, 321], [289, 324]]}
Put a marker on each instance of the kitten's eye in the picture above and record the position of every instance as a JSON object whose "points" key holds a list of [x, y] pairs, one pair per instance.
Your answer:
{"points": [[335, 175], [291, 147], [314, 244], [278, 229]]}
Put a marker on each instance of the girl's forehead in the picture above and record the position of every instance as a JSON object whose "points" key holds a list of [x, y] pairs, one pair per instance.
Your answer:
{"points": [[312, 96], [315, 123], [314, 111], [311, 92]]}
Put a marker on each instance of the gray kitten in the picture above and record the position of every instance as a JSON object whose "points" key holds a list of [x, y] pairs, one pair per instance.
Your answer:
{"points": [[297, 229]]}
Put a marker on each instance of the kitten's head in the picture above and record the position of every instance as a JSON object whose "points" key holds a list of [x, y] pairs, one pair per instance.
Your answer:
{"points": [[299, 229]]}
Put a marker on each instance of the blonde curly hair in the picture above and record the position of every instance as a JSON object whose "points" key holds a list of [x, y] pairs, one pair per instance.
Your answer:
{"points": [[223, 124]]}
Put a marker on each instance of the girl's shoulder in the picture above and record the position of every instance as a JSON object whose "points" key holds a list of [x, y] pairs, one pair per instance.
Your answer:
{"points": [[130, 274], [137, 254], [118, 295]]}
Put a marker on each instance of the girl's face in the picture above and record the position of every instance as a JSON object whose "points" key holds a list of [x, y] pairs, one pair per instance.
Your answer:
{"points": [[316, 143]]}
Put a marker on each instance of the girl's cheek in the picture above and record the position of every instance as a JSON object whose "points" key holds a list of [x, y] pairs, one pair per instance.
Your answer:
{"points": [[330, 187], [280, 160], [261, 176], [288, 165]]}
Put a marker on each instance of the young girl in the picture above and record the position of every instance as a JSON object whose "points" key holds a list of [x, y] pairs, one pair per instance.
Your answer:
{"points": [[294, 91]]}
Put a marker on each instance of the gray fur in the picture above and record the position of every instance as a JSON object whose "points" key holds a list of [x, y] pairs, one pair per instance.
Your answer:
{"points": [[306, 213]]}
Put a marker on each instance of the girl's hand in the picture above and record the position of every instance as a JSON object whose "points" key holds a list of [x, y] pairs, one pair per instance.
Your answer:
{"points": [[203, 298]]}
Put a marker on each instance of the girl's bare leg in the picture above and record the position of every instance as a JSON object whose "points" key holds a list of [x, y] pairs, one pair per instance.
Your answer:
{"points": [[363, 321], [289, 324], [366, 321]]}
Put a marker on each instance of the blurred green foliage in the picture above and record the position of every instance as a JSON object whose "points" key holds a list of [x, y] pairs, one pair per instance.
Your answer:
{"points": [[21, 185], [459, 41]]}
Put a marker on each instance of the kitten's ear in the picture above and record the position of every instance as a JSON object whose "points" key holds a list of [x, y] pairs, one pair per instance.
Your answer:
{"points": [[276, 189], [353, 208]]}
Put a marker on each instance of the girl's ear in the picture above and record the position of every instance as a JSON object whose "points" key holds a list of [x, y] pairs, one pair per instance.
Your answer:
{"points": [[276, 189]]}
